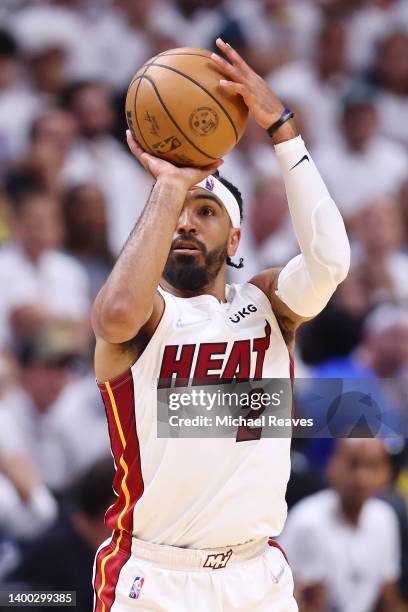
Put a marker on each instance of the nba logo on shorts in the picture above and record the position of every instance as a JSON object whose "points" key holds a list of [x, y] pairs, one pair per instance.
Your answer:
{"points": [[209, 183], [136, 587]]}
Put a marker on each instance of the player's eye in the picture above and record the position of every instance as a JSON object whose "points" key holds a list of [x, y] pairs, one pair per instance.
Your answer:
{"points": [[207, 211]]}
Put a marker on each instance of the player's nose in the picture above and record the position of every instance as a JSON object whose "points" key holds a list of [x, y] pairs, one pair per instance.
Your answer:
{"points": [[186, 222]]}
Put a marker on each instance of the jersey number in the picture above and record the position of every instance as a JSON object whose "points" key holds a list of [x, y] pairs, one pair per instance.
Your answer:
{"points": [[246, 433]]}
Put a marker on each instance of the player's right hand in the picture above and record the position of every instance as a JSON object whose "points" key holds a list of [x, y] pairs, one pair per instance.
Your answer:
{"points": [[160, 168]]}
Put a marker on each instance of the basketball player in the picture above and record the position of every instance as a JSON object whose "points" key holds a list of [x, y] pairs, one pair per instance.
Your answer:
{"points": [[193, 517]]}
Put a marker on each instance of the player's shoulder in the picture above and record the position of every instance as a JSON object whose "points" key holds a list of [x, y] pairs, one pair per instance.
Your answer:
{"points": [[264, 281], [251, 290]]}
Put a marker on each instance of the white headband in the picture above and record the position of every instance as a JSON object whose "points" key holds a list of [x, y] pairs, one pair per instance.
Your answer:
{"points": [[212, 184]]}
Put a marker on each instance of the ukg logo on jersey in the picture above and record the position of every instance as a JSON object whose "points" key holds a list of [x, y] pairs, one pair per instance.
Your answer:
{"points": [[241, 314]]}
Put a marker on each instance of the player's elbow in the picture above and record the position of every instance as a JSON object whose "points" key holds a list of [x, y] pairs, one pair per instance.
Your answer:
{"points": [[329, 259], [330, 262], [341, 263], [115, 320]]}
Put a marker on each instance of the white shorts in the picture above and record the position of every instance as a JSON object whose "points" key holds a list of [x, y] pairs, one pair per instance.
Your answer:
{"points": [[133, 575]]}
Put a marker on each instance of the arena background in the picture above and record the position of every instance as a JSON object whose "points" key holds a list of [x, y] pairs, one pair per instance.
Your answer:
{"points": [[69, 195]]}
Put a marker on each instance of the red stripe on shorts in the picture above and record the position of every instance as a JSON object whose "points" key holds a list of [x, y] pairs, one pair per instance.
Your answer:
{"points": [[109, 563], [274, 543]]}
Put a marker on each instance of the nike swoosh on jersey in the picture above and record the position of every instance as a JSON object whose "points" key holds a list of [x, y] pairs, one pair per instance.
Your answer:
{"points": [[300, 161], [179, 322]]}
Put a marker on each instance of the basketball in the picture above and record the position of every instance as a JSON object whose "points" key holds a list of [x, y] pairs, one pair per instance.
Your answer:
{"points": [[177, 110]]}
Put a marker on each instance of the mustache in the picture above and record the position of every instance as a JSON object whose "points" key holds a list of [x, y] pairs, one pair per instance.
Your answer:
{"points": [[189, 238]]}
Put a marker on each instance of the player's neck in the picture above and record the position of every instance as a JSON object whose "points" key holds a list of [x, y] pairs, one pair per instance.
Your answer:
{"points": [[216, 289]]}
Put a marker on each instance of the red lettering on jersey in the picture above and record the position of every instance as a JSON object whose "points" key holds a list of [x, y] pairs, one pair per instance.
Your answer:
{"points": [[180, 367], [239, 361], [207, 362], [261, 345]]}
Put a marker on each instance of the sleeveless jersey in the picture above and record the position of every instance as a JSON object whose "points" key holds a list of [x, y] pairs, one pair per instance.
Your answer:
{"points": [[198, 492]]}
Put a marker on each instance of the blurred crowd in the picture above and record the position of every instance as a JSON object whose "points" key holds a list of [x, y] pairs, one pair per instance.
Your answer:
{"points": [[70, 193]]}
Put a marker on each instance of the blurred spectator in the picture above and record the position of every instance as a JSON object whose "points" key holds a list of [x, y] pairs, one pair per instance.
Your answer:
{"points": [[51, 285], [359, 364], [304, 478], [57, 42], [98, 158], [68, 549], [317, 84], [46, 67], [384, 348], [125, 36], [27, 507], [274, 243], [333, 334], [367, 21], [352, 297], [392, 495], [276, 31], [196, 23], [17, 105], [51, 139], [391, 74], [379, 260], [382, 351], [361, 165], [342, 543], [400, 13], [268, 238], [84, 211], [403, 206], [48, 407], [82, 54]]}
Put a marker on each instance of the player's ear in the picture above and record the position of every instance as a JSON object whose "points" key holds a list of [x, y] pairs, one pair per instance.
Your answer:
{"points": [[233, 242]]}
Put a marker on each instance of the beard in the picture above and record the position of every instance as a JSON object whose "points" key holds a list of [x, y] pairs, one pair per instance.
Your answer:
{"points": [[184, 272]]}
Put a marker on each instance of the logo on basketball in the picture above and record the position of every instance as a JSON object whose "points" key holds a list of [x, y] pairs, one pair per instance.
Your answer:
{"points": [[167, 145], [203, 121]]}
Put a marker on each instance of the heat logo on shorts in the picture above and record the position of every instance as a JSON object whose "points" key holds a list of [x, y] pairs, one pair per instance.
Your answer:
{"points": [[218, 561], [136, 587]]}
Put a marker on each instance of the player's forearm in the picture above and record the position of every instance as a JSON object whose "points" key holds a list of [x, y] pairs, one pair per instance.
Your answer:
{"points": [[125, 301], [308, 281]]}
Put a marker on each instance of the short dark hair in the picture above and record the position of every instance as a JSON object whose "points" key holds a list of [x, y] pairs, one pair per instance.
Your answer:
{"points": [[233, 189], [92, 491], [67, 98], [238, 196], [29, 191], [8, 44]]}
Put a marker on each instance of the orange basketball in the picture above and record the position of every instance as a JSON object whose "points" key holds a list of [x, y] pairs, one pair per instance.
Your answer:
{"points": [[177, 109]]}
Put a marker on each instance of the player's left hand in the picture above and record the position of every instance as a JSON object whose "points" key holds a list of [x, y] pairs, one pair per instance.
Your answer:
{"points": [[263, 104]]}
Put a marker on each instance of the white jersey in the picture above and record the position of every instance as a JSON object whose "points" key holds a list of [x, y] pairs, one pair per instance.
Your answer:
{"points": [[198, 492]]}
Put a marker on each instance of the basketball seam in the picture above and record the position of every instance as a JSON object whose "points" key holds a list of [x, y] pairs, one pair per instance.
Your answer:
{"points": [[181, 54], [135, 112], [204, 89], [164, 54], [151, 62], [144, 76]]}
